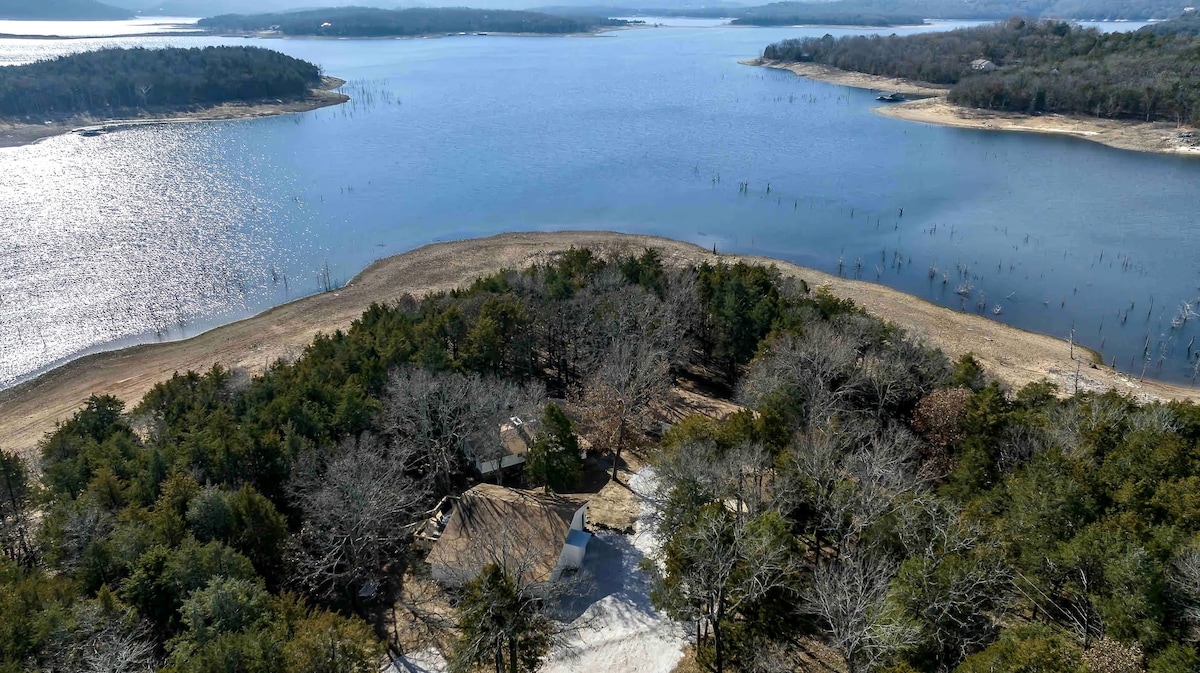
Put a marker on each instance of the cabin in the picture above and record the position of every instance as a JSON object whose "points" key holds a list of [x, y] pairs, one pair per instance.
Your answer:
{"points": [[516, 439], [533, 535], [982, 65]]}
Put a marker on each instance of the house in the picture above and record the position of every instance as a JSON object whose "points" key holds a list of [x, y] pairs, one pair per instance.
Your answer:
{"points": [[983, 65], [532, 535], [516, 438]]}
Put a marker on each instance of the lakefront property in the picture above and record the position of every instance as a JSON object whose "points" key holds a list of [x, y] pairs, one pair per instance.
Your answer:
{"points": [[555, 339]]}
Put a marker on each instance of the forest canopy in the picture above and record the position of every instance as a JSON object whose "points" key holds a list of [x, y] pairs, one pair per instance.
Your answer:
{"points": [[901, 509], [1186, 24], [900, 12], [366, 22], [832, 13], [1035, 67], [111, 81]]}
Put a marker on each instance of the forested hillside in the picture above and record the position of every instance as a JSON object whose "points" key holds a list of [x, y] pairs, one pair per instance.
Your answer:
{"points": [[61, 10], [875, 504], [1188, 24], [363, 22], [1040, 66], [844, 13], [113, 81]]}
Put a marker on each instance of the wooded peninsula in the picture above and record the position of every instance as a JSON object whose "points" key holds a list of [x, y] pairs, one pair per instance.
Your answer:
{"points": [[867, 502], [98, 88], [1030, 67], [366, 22], [117, 81]]}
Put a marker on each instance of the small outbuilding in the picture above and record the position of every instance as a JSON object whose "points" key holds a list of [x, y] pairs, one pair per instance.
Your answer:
{"points": [[983, 65], [516, 438], [533, 535]]}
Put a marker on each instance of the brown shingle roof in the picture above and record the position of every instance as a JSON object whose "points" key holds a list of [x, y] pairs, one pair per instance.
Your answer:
{"points": [[522, 531]]}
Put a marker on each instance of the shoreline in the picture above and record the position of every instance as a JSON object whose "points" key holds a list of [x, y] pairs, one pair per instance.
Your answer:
{"points": [[29, 410], [18, 134], [275, 35], [930, 106]]}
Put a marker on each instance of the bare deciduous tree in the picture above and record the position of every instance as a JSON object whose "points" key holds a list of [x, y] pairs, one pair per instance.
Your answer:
{"points": [[851, 480], [447, 418], [850, 597], [727, 549], [105, 643], [1185, 581], [356, 509], [632, 374], [955, 582]]}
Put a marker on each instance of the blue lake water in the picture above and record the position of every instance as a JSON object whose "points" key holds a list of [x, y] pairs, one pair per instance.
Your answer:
{"points": [[162, 232]]}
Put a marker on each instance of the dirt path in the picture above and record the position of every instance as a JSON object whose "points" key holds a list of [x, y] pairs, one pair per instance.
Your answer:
{"points": [[933, 108], [30, 410], [15, 134]]}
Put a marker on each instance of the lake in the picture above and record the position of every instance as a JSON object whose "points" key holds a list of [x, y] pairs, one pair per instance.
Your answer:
{"points": [[159, 233]]}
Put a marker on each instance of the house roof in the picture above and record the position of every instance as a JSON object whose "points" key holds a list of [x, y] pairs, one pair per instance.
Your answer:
{"points": [[522, 531], [517, 439]]}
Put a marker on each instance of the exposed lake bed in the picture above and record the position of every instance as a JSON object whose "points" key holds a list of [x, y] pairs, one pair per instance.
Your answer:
{"points": [[160, 233], [927, 104]]}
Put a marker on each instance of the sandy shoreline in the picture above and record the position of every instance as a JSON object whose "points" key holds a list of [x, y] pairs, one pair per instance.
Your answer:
{"points": [[16, 134], [858, 80], [931, 107], [30, 410]]}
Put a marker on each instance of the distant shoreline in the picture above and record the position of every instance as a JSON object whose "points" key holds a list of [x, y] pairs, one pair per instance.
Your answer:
{"points": [[931, 107], [275, 35], [1013, 355], [18, 133]]}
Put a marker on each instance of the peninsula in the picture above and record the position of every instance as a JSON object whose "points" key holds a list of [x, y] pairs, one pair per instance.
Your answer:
{"points": [[365, 22], [1134, 91], [99, 91], [32, 409]]}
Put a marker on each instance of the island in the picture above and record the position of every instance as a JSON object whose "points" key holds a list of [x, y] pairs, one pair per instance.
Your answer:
{"points": [[95, 92], [61, 10], [1137, 90], [382, 23]]}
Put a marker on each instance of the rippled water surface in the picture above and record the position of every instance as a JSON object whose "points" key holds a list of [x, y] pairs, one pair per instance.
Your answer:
{"points": [[161, 232]]}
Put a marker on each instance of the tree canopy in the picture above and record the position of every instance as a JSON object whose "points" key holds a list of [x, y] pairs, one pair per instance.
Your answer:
{"points": [[111, 81], [901, 508], [1035, 67], [366, 22]]}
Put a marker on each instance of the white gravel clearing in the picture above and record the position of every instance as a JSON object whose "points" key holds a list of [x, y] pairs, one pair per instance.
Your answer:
{"points": [[620, 631], [616, 629]]}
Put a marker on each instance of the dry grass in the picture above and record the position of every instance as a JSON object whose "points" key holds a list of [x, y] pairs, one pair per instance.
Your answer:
{"points": [[30, 410]]}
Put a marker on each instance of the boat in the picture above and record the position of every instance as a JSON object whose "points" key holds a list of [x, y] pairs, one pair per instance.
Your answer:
{"points": [[891, 97]]}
